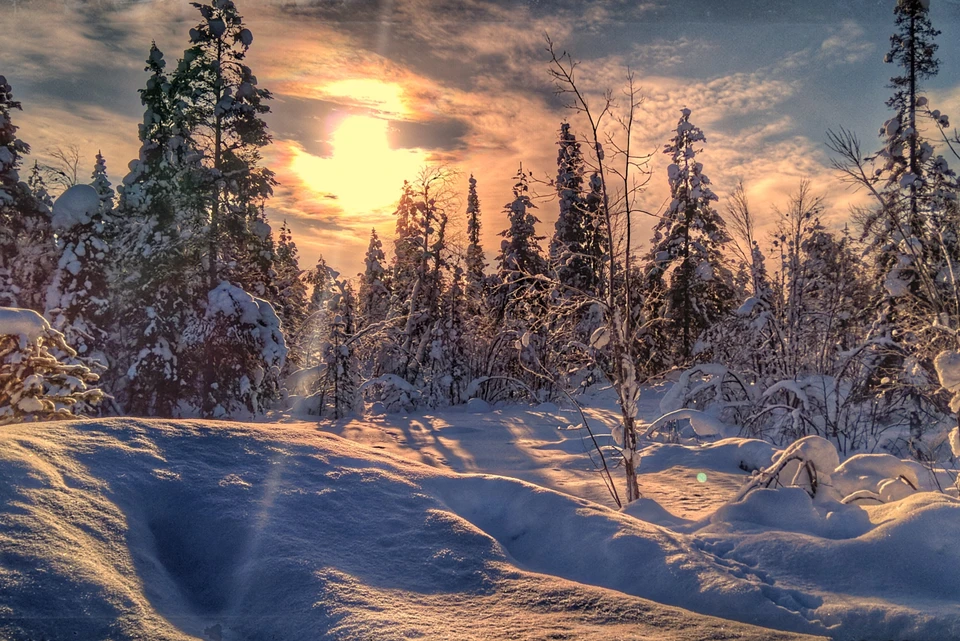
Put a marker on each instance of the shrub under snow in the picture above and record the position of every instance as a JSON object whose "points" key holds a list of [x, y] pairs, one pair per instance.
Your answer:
{"points": [[34, 385]]}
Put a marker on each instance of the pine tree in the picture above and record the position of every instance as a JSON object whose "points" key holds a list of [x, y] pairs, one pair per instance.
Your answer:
{"points": [[159, 273], [342, 366], [223, 109], [38, 186], [520, 255], [78, 299], [573, 246], [910, 239], [688, 286], [374, 295], [34, 384], [243, 337], [475, 262], [102, 184], [292, 295], [26, 240]]}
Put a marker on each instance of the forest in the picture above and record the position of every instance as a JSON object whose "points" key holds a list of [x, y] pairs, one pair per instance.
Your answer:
{"points": [[170, 295]]}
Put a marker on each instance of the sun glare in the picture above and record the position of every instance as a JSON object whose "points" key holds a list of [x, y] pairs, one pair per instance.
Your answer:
{"points": [[364, 174]]}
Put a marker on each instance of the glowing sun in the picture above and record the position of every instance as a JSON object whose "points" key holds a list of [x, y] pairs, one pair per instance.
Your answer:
{"points": [[364, 173]]}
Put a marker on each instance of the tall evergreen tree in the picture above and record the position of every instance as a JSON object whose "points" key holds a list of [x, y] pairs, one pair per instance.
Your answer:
{"points": [[374, 295], [102, 184], [26, 240], [159, 272], [223, 109], [475, 263], [520, 255], [78, 299], [689, 287], [577, 246], [291, 295]]}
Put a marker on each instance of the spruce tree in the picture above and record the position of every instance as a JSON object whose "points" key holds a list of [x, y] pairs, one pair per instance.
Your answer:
{"points": [[101, 183], [688, 287], [223, 109], [291, 295], [475, 263], [159, 273], [78, 299], [374, 295], [520, 256], [26, 239]]}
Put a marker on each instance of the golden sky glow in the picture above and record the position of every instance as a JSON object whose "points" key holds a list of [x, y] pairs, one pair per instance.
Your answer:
{"points": [[384, 97], [364, 174]]}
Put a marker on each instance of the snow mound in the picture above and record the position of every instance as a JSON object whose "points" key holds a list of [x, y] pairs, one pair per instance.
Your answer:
{"points": [[24, 323], [76, 206]]}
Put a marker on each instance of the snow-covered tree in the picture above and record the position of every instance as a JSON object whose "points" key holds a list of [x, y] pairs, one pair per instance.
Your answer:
{"points": [[912, 247], [102, 184], [374, 294], [578, 247], [475, 262], [159, 277], [222, 110], [239, 336], [520, 255], [689, 287], [78, 299], [291, 295], [26, 240], [34, 384]]}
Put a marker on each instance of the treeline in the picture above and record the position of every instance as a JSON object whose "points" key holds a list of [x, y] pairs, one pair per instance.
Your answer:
{"points": [[176, 290]]}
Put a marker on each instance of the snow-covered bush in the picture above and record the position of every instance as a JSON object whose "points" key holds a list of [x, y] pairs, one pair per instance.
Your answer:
{"points": [[240, 343], [392, 393], [813, 464], [34, 384]]}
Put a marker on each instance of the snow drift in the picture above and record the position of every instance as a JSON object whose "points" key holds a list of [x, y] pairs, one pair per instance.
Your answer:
{"points": [[127, 529]]}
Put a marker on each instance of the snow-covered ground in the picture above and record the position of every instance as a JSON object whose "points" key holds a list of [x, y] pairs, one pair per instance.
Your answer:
{"points": [[456, 525]]}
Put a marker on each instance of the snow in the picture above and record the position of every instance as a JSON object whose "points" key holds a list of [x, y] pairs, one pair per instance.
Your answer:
{"points": [[457, 525], [75, 206], [947, 364], [24, 323], [128, 529]]}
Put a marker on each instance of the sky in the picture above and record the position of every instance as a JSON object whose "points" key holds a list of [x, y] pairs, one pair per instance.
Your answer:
{"points": [[367, 92]]}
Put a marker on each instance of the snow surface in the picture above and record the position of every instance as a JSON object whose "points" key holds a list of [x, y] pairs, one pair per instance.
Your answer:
{"points": [[453, 525], [164, 530]]}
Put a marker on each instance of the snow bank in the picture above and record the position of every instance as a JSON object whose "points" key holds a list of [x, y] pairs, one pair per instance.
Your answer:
{"points": [[170, 531], [76, 206]]}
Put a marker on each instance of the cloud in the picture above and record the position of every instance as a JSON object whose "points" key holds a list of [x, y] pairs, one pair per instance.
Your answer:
{"points": [[846, 45]]}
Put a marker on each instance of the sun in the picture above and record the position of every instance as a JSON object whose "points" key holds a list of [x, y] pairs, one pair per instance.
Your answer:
{"points": [[364, 174]]}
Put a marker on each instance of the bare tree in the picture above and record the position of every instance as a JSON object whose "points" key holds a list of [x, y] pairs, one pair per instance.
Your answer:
{"points": [[622, 176], [63, 172]]}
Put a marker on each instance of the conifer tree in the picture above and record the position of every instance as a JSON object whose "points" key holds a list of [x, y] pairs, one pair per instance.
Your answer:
{"points": [[688, 286], [913, 251], [36, 385], [159, 272], [571, 249], [520, 255], [291, 295], [78, 299], [223, 109], [101, 183], [26, 240], [475, 263], [374, 295]]}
